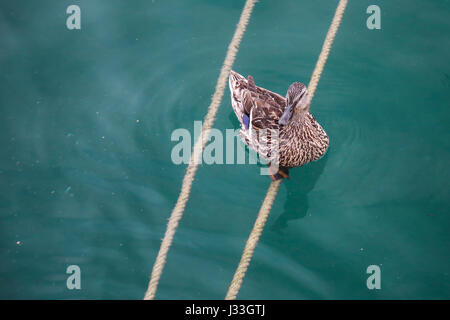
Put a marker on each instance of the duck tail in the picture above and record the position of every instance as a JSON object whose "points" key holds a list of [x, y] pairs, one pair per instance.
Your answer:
{"points": [[282, 173]]}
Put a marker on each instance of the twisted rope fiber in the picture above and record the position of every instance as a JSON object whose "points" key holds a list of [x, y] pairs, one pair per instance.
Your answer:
{"points": [[188, 179], [274, 186]]}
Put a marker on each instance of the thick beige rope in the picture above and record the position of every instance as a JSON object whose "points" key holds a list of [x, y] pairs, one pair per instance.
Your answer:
{"points": [[177, 212], [274, 186]]}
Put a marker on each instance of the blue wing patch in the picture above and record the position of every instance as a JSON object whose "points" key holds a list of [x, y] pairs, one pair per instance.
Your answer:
{"points": [[246, 121]]}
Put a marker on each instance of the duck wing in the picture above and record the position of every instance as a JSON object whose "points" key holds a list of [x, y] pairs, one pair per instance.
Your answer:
{"points": [[265, 112], [262, 107]]}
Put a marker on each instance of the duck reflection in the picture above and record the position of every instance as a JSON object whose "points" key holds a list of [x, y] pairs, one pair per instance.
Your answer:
{"points": [[302, 181]]}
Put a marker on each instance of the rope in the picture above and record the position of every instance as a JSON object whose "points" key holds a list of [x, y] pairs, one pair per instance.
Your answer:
{"points": [[326, 47], [274, 186], [253, 240], [177, 212]]}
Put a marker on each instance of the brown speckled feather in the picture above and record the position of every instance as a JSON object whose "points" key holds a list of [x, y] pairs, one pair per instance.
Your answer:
{"points": [[299, 143]]}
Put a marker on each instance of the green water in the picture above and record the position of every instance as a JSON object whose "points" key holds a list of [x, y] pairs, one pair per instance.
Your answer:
{"points": [[82, 182]]}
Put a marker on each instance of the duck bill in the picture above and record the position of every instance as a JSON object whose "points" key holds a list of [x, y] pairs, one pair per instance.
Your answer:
{"points": [[286, 116]]}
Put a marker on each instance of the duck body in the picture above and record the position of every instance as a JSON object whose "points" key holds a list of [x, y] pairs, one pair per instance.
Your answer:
{"points": [[300, 140]]}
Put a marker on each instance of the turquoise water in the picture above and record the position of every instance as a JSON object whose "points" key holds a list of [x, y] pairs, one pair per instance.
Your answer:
{"points": [[86, 176]]}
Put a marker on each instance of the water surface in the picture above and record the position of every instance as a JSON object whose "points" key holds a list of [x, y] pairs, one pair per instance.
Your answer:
{"points": [[86, 176]]}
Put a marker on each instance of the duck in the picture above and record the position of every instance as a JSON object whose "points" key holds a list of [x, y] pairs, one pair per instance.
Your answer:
{"points": [[280, 129]]}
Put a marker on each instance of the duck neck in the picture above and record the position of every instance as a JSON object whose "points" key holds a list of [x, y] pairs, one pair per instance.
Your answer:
{"points": [[297, 121]]}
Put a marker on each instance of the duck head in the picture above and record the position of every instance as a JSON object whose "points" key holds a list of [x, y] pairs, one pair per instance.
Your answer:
{"points": [[297, 103]]}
